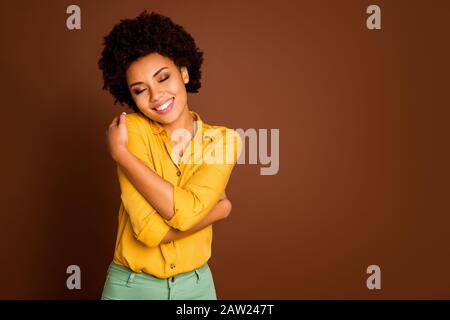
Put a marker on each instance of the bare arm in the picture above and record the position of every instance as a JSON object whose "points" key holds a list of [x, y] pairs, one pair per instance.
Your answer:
{"points": [[219, 212]]}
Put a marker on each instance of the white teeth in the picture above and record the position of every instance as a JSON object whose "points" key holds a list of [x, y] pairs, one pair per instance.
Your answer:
{"points": [[164, 106]]}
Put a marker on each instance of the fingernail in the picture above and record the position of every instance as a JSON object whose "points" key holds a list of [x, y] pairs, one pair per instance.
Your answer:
{"points": [[124, 113]]}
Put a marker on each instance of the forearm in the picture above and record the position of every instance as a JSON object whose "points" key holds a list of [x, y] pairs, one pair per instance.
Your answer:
{"points": [[147, 181], [221, 210]]}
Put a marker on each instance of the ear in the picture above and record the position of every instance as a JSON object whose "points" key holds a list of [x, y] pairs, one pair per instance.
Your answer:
{"points": [[184, 74]]}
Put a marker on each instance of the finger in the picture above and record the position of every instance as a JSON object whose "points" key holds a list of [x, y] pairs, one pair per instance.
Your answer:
{"points": [[122, 118]]}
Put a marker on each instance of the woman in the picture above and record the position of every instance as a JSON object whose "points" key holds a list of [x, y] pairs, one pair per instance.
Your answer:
{"points": [[170, 164]]}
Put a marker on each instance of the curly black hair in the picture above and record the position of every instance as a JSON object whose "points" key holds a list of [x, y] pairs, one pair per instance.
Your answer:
{"points": [[131, 39]]}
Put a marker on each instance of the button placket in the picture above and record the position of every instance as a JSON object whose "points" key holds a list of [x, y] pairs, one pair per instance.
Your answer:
{"points": [[169, 151], [196, 139]]}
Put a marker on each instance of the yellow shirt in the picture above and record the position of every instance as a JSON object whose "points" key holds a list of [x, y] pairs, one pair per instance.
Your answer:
{"points": [[198, 182]]}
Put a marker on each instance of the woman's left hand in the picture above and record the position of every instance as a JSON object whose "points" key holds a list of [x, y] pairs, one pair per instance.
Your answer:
{"points": [[117, 134]]}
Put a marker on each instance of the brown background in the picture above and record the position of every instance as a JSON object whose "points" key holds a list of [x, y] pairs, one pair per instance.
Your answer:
{"points": [[364, 154]]}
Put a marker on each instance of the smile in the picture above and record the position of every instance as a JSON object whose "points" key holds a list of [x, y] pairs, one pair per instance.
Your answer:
{"points": [[165, 107]]}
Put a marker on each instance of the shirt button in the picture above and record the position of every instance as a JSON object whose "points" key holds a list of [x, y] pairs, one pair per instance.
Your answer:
{"points": [[178, 173], [172, 266]]}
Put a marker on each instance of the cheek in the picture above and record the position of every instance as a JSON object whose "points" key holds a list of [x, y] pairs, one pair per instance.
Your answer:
{"points": [[181, 96], [176, 82], [141, 99], [177, 87]]}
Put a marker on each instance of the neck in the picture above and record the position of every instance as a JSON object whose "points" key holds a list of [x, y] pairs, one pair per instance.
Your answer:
{"points": [[184, 121]]}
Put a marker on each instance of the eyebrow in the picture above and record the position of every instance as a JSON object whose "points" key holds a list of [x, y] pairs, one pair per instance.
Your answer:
{"points": [[156, 73]]}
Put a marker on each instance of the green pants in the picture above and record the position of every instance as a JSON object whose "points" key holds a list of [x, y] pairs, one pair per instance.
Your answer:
{"points": [[124, 284]]}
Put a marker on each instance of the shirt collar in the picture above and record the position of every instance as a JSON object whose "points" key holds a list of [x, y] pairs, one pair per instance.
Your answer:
{"points": [[157, 128]]}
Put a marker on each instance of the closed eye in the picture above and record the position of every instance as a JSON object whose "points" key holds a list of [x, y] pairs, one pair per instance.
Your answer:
{"points": [[164, 79], [140, 91]]}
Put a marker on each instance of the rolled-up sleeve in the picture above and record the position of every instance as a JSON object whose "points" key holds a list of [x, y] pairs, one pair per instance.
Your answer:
{"points": [[193, 200], [148, 226]]}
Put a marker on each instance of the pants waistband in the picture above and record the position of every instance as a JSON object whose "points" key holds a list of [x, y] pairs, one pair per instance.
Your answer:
{"points": [[128, 275]]}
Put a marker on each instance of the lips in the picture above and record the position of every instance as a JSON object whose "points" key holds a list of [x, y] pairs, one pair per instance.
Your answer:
{"points": [[165, 107]]}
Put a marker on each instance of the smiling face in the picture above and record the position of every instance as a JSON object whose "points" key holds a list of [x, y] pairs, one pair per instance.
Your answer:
{"points": [[157, 86]]}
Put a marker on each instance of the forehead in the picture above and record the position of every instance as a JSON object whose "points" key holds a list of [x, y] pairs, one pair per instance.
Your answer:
{"points": [[148, 65]]}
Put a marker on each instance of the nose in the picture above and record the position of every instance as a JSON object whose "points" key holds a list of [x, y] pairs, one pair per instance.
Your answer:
{"points": [[155, 95]]}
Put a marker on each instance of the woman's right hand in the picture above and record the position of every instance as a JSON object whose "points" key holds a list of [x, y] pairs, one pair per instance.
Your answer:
{"points": [[226, 205]]}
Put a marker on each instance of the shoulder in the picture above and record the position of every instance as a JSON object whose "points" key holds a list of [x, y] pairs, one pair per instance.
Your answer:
{"points": [[220, 132], [139, 129], [136, 121], [139, 124], [228, 137]]}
